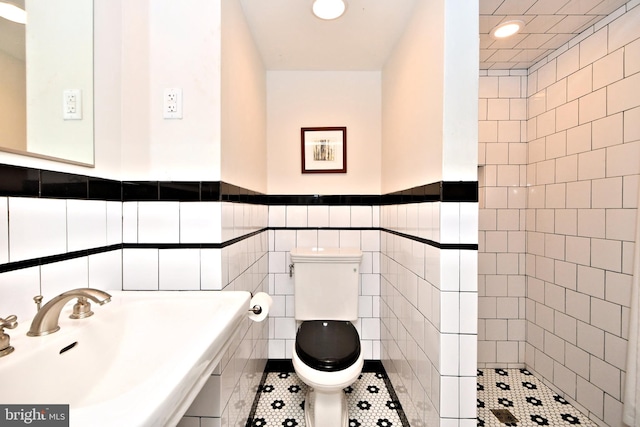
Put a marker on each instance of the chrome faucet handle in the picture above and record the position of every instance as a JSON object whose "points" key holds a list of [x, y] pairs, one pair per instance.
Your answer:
{"points": [[38, 300], [8, 323], [81, 309]]}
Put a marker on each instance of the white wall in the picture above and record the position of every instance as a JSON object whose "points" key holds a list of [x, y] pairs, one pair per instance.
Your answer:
{"points": [[107, 88], [299, 99], [59, 57], [171, 45], [460, 109]]}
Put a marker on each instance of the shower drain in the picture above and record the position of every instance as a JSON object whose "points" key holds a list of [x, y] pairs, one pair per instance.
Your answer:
{"points": [[505, 416]]}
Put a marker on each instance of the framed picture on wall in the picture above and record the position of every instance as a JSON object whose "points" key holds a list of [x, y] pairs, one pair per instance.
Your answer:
{"points": [[324, 149]]}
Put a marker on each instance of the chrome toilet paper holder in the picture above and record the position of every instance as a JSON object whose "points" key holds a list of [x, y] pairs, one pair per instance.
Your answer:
{"points": [[256, 309]]}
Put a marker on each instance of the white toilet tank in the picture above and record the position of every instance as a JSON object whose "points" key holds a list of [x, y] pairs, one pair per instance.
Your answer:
{"points": [[326, 283]]}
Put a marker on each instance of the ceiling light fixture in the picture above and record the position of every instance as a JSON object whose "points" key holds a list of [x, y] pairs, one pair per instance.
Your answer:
{"points": [[329, 9], [13, 13], [507, 29]]}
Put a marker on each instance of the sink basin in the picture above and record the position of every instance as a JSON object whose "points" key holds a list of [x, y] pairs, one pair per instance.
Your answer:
{"points": [[138, 361]]}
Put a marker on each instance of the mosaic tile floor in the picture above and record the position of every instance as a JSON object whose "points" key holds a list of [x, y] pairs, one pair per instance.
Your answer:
{"points": [[530, 401], [371, 399]]}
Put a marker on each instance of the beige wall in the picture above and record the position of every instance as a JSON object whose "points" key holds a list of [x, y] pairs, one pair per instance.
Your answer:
{"points": [[412, 94], [243, 104], [319, 98], [13, 108]]}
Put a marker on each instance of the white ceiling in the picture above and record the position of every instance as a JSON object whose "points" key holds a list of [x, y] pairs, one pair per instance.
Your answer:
{"points": [[291, 38]]}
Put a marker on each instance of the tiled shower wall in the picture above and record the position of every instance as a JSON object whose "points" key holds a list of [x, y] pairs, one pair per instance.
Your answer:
{"points": [[502, 154], [165, 248], [582, 176], [428, 310], [325, 226]]}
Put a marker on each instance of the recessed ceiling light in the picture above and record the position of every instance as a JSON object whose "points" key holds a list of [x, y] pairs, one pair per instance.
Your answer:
{"points": [[329, 9], [13, 13], [507, 29]]}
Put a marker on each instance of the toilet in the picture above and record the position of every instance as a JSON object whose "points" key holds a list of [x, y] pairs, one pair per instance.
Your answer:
{"points": [[326, 354]]}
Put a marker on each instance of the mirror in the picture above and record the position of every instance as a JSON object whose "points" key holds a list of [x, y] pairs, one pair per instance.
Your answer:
{"points": [[46, 81]]}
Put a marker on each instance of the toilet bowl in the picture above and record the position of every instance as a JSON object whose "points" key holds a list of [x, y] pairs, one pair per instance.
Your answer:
{"points": [[327, 355]]}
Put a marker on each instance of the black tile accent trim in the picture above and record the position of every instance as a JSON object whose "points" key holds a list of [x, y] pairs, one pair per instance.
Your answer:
{"points": [[317, 199], [179, 191], [21, 181], [286, 365], [35, 262], [191, 245], [394, 397], [279, 365], [60, 185], [256, 399], [463, 191], [443, 246], [18, 181], [140, 191], [105, 189], [443, 191]]}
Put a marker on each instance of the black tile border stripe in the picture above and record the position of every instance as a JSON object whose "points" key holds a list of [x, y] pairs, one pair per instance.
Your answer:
{"points": [[18, 181], [34, 262], [286, 365], [444, 246]]}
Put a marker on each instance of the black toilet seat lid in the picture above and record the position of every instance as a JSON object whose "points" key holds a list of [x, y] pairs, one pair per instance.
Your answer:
{"points": [[328, 345]]}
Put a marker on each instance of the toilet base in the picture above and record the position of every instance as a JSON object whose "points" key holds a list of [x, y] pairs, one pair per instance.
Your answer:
{"points": [[326, 409]]}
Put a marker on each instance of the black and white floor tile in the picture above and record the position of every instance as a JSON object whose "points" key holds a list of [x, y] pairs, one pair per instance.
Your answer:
{"points": [[524, 397], [371, 399]]}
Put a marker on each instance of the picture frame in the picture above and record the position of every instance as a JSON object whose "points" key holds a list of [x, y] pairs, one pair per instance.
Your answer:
{"points": [[324, 149]]}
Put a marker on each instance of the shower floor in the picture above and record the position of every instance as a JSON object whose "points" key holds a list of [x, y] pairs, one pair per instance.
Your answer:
{"points": [[280, 399], [526, 398]]}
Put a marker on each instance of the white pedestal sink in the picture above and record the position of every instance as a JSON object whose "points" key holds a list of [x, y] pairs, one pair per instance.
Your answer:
{"points": [[140, 360]]}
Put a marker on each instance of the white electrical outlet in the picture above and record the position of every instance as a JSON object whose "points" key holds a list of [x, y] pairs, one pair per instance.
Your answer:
{"points": [[72, 104], [172, 103]]}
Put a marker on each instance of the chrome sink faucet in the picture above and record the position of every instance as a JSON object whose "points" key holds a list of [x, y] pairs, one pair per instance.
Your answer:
{"points": [[5, 345], [46, 320]]}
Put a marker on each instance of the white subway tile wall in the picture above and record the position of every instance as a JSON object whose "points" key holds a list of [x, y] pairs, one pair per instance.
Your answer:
{"points": [[37, 227], [429, 310], [302, 226], [568, 322], [501, 227]]}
